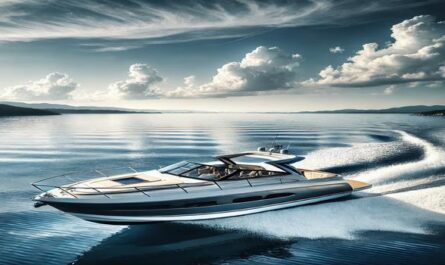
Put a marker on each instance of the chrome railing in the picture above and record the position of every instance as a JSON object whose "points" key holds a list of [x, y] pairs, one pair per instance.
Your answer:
{"points": [[45, 184]]}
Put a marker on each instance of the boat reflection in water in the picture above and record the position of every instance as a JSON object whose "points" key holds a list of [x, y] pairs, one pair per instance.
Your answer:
{"points": [[176, 243]]}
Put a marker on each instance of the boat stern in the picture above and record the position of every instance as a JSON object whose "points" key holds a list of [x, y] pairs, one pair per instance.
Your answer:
{"points": [[358, 185]]}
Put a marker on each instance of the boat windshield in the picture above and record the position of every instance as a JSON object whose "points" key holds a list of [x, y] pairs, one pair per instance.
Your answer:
{"points": [[178, 167], [214, 172]]}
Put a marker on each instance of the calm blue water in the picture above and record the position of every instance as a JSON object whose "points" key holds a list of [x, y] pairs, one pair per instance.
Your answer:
{"points": [[401, 220]]}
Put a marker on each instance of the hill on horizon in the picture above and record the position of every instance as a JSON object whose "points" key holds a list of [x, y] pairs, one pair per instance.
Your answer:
{"points": [[62, 108], [404, 109], [8, 110]]}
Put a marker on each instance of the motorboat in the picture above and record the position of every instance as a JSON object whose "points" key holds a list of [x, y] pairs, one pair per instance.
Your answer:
{"points": [[227, 186]]}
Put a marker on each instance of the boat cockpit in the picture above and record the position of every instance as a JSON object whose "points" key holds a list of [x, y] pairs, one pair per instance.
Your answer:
{"points": [[220, 171]]}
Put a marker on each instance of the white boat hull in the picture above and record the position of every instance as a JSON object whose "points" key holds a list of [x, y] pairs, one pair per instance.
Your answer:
{"points": [[203, 216]]}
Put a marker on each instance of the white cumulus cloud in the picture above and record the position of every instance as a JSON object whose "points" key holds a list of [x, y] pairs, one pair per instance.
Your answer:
{"points": [[336, 49], [55, 86], [140, 84], [263, 69], [416, 54], [187, 90]]}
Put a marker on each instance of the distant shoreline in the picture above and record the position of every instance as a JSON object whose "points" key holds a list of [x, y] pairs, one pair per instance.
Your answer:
{"points": [[100, 111], [14, 111], [436, 113], [8, 109]]}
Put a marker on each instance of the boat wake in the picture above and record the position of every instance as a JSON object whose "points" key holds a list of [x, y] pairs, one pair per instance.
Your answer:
{"points": [[400, 189], [432, 160]]}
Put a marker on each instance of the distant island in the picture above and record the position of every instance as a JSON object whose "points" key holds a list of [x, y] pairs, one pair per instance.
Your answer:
{"points": [[39, 109], [96, 111], [7, 110], [433, 113], [406, 109]]}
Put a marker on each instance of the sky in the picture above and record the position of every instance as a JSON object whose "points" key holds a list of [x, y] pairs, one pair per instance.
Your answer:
{"points": [[223, 55]]}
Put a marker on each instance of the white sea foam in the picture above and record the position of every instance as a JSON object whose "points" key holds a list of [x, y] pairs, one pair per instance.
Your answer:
{"points": [[333, 220], [385, 179], [358, 153], [434, 157], [432, 199], [402, 185]]}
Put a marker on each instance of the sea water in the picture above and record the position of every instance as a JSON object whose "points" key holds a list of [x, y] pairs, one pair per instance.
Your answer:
{"points": [[401, 220]]}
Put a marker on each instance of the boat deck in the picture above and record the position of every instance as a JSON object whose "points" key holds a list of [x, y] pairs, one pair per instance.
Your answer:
{"points": [[358, 185]]}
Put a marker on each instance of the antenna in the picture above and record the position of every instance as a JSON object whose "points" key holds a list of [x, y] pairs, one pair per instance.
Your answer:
{"points": [[274, 139], [275, 147]]}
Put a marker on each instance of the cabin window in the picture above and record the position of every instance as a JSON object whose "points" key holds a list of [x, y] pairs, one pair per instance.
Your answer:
{"points": [[200, 204], [278, 195], [248, 199], [249, 174]]}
